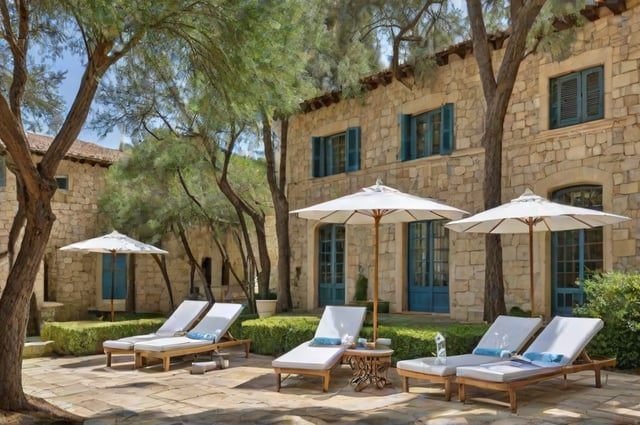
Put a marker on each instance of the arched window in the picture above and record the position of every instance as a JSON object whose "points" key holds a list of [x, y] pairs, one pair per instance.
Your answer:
{"points": [[575, 254]]}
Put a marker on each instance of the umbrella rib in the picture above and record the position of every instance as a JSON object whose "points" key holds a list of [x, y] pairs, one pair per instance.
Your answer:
{"points": [[581, 221]]}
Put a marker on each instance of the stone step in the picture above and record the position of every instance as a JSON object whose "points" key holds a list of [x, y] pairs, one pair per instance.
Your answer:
{"points": [[34, 349]]}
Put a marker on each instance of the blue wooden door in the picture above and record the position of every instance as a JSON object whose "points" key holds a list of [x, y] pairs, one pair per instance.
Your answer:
{"points": [[331, 265], [428, 267], [120, 281]]}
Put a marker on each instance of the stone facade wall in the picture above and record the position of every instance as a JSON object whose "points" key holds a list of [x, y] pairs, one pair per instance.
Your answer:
{"points": [[604, 152], [74, 279]]}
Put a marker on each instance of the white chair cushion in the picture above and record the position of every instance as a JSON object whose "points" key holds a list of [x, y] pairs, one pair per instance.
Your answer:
{"points": [[505, 333], [563, 335], [306, 356], [427, 365], [170, 344]]}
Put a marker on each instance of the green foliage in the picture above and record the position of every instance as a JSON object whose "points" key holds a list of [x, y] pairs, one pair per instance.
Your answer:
{"points": [[615, 298], [82, 338], [362, 288], [278, 334], [519, 312]]}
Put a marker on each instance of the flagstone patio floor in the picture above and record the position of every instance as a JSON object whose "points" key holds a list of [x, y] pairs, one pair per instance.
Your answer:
{"points": [[245, 393]]}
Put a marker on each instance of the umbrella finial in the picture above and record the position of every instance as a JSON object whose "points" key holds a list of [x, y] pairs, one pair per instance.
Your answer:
{"points": [[379, 181]]}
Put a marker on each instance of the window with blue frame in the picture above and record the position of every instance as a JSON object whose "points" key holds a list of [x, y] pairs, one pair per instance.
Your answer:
{"points": [[427, 134], [62, 182], [335, 154], [576, 254], [576, 98], [3, 172]]}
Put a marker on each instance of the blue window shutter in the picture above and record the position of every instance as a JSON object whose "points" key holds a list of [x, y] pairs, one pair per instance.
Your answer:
{"points": [[120, 281], [568, 100], [317, 156], [3, 172], [592, 89], [405, 137], [353, 149], [446, 133]]}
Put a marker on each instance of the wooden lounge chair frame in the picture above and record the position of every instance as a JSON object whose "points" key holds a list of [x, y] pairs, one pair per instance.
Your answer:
{"points": [[449, 380], [142, 357], [109, 351], [325, 374], [585, 363], [322, 331]]}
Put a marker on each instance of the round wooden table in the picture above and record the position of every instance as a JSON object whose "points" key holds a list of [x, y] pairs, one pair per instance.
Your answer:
{"points": [[369, 367]]}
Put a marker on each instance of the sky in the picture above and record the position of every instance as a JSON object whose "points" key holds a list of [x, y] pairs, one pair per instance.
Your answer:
{"points": [[69, 88]]}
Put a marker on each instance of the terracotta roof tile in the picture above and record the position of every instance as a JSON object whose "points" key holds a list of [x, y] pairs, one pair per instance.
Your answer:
{"points": [[79, 151]]}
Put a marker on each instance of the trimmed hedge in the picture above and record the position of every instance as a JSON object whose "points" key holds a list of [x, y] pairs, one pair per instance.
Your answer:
{"points": [[278, 334], [270, 336], [82, 338]]}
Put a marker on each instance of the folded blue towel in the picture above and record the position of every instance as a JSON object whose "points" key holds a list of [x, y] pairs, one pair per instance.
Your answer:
{"points": [[544, 357], [201, 335], [495, 352], [320, 340]]}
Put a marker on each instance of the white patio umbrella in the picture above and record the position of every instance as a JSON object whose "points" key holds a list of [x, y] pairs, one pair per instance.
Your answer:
{"points": [[113, 243], [377, 205], [531, 213]]}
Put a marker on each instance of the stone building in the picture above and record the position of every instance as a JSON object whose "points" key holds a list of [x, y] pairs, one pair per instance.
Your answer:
{"points": [[571, 134], [69, 285]]}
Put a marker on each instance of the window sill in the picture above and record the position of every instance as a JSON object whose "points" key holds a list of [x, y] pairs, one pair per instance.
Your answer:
{"points": [[577, 129]]}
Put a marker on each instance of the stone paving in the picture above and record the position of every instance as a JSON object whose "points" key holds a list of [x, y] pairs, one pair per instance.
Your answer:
{"points": [[245, 393]]}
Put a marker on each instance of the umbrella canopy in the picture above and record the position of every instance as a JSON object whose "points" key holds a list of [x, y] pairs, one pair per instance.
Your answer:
{"points": [[377, 205], [113, 243], [531, 213]]}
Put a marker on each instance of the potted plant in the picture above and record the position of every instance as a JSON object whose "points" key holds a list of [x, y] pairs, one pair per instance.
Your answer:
{"points": [[361, 296], [267, 307]]}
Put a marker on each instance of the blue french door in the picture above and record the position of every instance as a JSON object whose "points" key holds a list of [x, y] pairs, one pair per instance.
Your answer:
{"points": [[120, 281], [331, 265], [428, 267], [575, 254]]}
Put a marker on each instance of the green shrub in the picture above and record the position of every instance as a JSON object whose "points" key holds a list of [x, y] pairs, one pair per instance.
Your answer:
{"points": [[81, 338], [615, 298], [278, 334]]}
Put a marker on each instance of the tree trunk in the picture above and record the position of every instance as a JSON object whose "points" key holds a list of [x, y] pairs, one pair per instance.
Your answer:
{"points": [[497, 92], [277, 185], [161, 261], [494, 304], [14, 303], [195, 264], [256, 216]]}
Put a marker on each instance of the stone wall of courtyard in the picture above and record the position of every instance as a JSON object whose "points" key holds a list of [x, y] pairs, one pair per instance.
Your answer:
{"points": [[73, 279], [603, 152]]}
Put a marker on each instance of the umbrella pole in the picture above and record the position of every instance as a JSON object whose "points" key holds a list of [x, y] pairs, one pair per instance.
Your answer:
{"points": [[531, 289], [113, 281], [376, 250]]}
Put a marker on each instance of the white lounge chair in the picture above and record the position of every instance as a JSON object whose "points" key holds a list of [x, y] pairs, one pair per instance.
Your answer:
{"points": [[210, 334], [319, 356], [181, 320], [553, 353], [506, 336]]}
